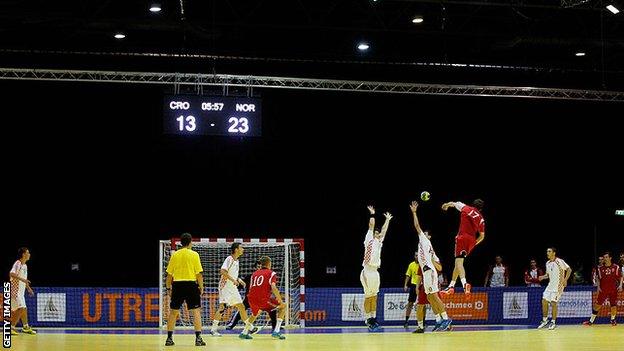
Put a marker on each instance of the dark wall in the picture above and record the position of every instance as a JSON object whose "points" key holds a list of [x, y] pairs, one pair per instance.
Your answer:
{"points": [[90, 179]]}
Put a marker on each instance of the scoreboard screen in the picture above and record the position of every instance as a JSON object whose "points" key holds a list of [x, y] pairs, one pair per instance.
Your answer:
{"points": [[212, 115]]}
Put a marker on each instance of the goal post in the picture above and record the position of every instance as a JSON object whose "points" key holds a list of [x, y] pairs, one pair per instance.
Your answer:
{"points": [[287, 256]]}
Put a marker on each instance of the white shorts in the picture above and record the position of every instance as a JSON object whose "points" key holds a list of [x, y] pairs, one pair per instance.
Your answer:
{"points": [[230, 296], [19, 301], [552, 296], [370, 281], [430, 281]]}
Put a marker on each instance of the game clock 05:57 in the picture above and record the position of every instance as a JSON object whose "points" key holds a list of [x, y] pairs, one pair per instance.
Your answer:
{"points": [[212, 115]]}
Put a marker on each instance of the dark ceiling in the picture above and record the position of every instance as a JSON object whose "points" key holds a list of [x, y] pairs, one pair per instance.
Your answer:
{"points": [[526, 41]]}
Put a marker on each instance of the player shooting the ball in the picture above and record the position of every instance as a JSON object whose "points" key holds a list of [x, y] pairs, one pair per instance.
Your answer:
{"points": [[471, 222]]}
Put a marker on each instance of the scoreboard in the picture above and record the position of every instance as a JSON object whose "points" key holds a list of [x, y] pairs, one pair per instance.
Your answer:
{"points": [[212, 115]]}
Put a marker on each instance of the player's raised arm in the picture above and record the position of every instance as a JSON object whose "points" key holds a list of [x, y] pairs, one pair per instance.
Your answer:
{"points": [[384, 228], [456, 204], [414, 208], [371, 221]]}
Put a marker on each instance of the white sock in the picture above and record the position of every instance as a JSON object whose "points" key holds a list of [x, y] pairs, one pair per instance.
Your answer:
{"points": [[553, 321], [215, 324], [444, 315], [373, 314], [593, 318], [246, 329], [463, 281], [421, 325], [278, 325], [452, 284], [438, 318], [544, 319]]}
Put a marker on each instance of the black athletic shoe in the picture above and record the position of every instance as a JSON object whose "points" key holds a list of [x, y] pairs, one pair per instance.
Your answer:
{"points": [[169, 342], [199, 342], [418, 330]]}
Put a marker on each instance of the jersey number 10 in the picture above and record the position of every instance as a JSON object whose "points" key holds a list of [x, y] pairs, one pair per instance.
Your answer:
{"points": [[257, 281]]}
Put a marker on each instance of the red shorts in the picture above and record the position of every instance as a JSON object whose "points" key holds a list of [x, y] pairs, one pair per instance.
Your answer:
{"points": [[607, 295], [464, 245], [265, 305], [422, 296]]}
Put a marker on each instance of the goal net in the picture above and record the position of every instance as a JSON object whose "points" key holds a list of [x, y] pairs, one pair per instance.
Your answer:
{"points": [[287, 261]]}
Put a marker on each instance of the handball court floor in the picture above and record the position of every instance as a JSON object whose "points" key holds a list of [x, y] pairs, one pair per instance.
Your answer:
{"points": [[505, 338]]}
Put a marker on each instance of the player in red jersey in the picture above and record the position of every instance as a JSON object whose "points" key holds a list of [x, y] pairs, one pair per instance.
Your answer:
{"points": [[471, 223], [263, 288], [610, 281]]}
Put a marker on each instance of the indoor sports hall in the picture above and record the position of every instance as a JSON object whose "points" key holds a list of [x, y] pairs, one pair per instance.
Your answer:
{"points": [[363, 175]]}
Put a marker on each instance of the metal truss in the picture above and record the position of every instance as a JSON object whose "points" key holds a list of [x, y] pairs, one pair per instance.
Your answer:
{"points": [[228, 80]]}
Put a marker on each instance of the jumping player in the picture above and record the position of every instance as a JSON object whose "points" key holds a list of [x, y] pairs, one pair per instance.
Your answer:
{"points": [[430, 264], [471, 222], [263, 286], [369, 277], [610, 280]]}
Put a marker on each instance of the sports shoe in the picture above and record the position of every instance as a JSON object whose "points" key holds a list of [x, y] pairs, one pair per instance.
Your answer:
{"points": [[588, 323], [613, 322], [436, 326], [215, 333], [552, 326], [406, 325], [244, 336], [199, 341], [275, 335], [28, 330], [543, 324], [169, 342], [418, 330], [448, 291], [467, 288], [446, 325]]}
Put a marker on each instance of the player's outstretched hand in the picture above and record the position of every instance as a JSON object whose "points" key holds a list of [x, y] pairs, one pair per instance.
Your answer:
{"points": [[371, 209], [30, 291], [388, 216], [414, 206], [445, 207]]}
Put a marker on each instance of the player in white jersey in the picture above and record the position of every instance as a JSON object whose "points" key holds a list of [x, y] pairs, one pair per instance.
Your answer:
{"points": [[228, 291], [369, 277], [19, 285], [558, 272], [430, 265]]}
